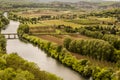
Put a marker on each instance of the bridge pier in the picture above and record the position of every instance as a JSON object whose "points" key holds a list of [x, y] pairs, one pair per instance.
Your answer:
{"points": [[8, 36], [14, 36]]}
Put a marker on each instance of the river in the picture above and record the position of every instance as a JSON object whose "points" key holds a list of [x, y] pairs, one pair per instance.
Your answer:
{"points": [[33, 54]]}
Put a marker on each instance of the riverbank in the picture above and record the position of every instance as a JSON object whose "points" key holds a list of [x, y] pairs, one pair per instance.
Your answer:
{"points": [[14, 67], [60, 40], [83, 66], [33, 54]]}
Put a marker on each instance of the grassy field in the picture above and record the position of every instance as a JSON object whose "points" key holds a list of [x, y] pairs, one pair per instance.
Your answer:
{"points": [[55, 22], [39, 24], [73, 23], [84, 21], [109, 19]]}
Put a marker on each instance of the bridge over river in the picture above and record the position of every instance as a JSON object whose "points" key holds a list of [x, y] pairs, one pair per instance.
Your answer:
{"points": [[10, 35], [34, 54]]}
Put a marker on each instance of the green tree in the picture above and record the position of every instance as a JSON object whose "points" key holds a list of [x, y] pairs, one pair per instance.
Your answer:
{"points": [[24, 75], [23, 28], [7, 74], [67, 42]]}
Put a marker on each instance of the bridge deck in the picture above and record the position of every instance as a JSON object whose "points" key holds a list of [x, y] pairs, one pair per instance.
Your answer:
{"points": [[10, 35]]}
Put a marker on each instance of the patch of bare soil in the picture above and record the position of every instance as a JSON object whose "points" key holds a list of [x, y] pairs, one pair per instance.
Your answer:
{"points": [[52, 39]]}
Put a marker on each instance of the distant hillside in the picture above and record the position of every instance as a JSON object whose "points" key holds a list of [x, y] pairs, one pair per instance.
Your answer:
{"points": [[86, 4], [90, 5], [56, 0], [97, 5], [73, 0], [116, 4]]}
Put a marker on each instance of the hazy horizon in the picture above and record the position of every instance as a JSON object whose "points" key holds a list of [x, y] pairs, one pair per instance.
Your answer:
{"points": [[73, 0]]}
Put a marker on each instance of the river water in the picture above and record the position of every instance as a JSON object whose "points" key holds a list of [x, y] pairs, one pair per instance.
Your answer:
{"points": [[33, 54]]}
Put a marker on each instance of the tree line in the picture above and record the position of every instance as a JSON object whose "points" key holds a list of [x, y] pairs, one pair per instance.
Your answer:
{"points": [[94, 48], [2, 44], [3, 21], [34, 20], [84, 67], [108, 13], [104, 29], [112, 39]]}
